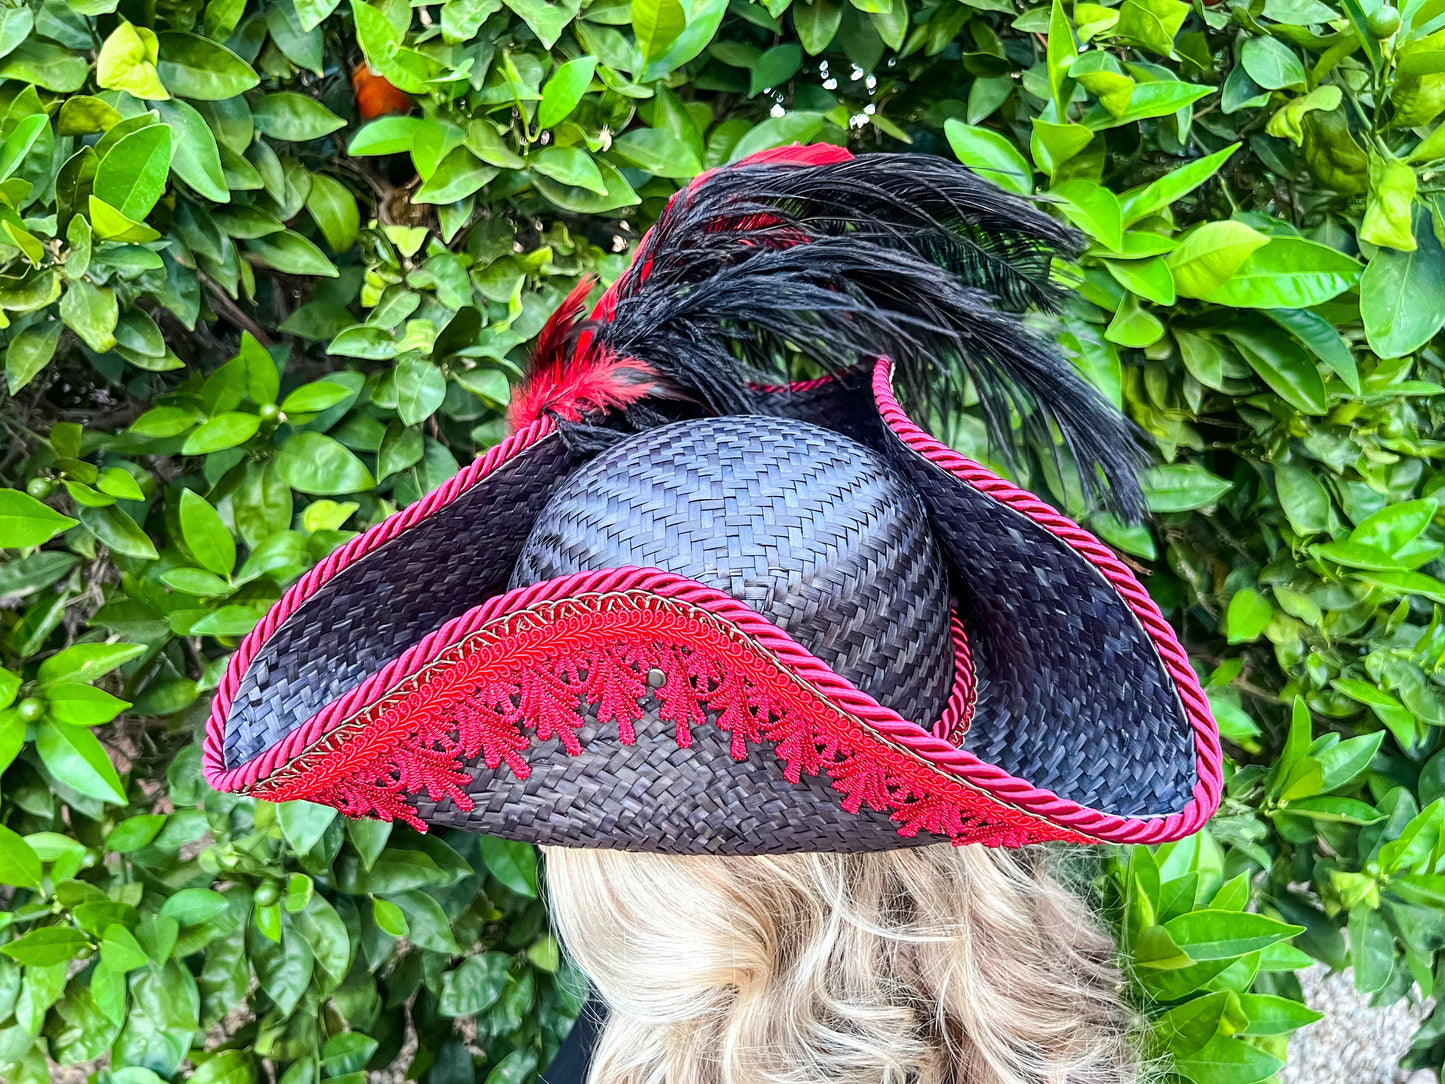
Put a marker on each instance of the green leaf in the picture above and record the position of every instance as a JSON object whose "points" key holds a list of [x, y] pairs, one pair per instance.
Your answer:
{"points": [[1389, 710], [1059, 52], [1338, 810], [1319, 335], [1139, 203], [420, 390], [1372, 949], [128, 62], [990, 155], [1304, 499], [196, 158], [86, 662], [569, 166], [774, 68], [205, 534], [1210, 254], [1133, 326], [659, 152], [111, 225], [1150, 278], [132, 174], [1401, 307], [1147, 100], [777, 132], [1093, 208], [294, 117], [194, 906], [816, 22], [458, 175], [1271, 63], [1181, 487], [347, 1052], [1282, 364], [91, 312], [311, 13], [1288, 272], [223, 431], [25, 522], [314, 398], [300, 45], [389, 918], [471, 987], [1288, 121], [19, 864], [303, 823], [46, 947], [292, 254], [82, 705], [1227, 1060], [386, 135], [46, 65], [1223, 935], [118, 531], [20, 141], [1052, 145], [1394, 527], [512, 862], [1248, 614], [315, 463], [546, 18], [29, 352], [133, 833], [564, 90], [656, 24], [1392, 196], [198, 68], [1423, 56], [1152, 23], [15, 27], [334, 208], [74, 756]]}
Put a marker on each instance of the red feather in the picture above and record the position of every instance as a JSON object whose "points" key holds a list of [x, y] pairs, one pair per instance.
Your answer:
{"points": [[570, 379], [569, 376]]}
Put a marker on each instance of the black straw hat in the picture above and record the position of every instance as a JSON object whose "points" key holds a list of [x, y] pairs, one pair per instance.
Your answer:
{"points": [[683, 610]]}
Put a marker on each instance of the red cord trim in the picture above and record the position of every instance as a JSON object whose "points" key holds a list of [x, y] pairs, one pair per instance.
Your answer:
{"points": [[532, 673], [1210, 784]]}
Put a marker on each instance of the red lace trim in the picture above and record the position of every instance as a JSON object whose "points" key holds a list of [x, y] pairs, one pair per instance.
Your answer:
{"points": [[532, 675]]}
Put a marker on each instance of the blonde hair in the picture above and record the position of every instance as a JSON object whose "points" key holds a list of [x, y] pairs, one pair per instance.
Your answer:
{"points": [[931, 965]]}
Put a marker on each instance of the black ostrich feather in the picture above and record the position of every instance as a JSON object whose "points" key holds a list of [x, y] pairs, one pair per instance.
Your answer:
{"points": [[900, 255]]}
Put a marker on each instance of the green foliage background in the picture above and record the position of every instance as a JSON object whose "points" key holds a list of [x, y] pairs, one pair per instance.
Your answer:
{"points": [[240, 325]]}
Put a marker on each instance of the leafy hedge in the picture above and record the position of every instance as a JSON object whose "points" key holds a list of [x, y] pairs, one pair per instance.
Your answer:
{"points": [[185, 183]]}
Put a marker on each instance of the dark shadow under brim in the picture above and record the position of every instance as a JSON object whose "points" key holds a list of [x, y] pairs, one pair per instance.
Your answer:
{"points": [[1087, 715]]}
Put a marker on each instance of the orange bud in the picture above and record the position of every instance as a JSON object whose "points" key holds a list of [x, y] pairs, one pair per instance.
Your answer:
{"points": [[375, 96]]}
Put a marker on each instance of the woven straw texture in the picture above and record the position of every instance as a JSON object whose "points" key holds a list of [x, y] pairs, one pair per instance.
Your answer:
{"points": [[807, 527], [375, 608], [658, 796]]}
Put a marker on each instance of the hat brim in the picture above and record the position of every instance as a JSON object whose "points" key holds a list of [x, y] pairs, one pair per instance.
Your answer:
{"points": [[349, 692]]}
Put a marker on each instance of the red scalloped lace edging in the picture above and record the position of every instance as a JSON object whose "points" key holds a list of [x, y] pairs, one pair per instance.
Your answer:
{"points": [[535, 674]]}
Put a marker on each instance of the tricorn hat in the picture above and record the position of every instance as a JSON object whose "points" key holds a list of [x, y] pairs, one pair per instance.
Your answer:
{"points": [[690, 607]]}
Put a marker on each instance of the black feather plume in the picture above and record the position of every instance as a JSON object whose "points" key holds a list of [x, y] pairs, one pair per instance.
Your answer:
{"points": [[842, 263]]}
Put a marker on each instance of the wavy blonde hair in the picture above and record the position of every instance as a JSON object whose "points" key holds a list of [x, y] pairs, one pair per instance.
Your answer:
{"points": [[931, 965]]}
